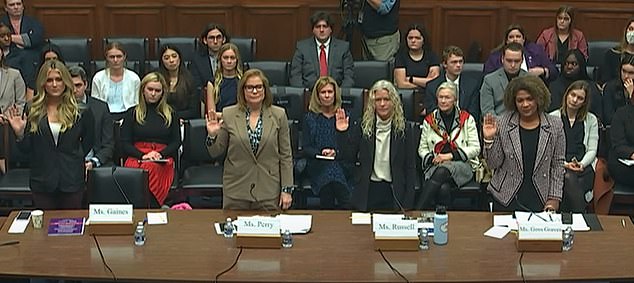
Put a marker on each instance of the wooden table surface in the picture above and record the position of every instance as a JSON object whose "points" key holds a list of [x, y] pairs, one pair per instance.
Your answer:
{"points": [[188, 250]]}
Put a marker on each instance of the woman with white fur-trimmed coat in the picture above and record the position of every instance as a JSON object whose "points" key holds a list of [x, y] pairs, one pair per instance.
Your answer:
{"points": [[449, 148]]}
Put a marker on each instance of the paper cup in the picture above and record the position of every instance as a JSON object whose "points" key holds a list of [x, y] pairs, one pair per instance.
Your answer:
{"points": [[37, 216]]}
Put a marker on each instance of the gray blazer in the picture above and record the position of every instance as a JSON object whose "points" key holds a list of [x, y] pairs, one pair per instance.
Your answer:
{"points": [[505, 158], [12, 88], [305, 64], [492, 92]]}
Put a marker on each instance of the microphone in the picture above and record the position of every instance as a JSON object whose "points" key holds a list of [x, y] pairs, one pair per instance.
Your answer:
{"points": [[114, 168], [268, 211], [398, 202]]}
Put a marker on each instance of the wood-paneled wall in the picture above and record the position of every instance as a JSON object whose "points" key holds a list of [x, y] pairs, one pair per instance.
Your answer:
{"points": [[278, 24]]}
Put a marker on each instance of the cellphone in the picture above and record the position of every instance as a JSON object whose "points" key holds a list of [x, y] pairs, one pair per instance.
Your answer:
{"points": [[566, 218], [24, 215]]}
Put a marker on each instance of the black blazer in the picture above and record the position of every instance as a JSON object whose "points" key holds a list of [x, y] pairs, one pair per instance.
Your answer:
{"points": [[356, 148], [103, 147], [201, 69], [468, 98], [58, 167], [613, 99]]}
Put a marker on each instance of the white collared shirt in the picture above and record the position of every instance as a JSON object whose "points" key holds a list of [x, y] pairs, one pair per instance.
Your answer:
{"points": [[457, 83], [326, 44]]}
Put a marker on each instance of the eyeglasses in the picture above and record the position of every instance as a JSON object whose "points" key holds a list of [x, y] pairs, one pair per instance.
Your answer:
{"points": [[215, 38], [250, 88]]}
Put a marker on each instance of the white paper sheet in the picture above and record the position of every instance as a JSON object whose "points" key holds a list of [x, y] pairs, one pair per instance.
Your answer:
{"points": [[154, 218], [361, 218], [497, 232], [297, 224]]}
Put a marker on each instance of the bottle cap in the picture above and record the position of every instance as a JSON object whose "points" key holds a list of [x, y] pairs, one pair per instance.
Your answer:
{"points": [[441, 209]]}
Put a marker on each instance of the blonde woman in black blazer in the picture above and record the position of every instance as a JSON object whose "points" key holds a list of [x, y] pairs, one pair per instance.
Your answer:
{"points": [[525, 148], [57, 136]]}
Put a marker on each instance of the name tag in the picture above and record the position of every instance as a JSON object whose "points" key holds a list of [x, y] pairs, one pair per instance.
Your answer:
{"points": [[258, 225], [110, 213], [539, 231], [395, 228]]}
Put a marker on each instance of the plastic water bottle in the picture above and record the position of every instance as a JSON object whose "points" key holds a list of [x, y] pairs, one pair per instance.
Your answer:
{"points": [[139, 235], [423, 240], [568, 239], [228, 232], [287, 239], [441, 225]]}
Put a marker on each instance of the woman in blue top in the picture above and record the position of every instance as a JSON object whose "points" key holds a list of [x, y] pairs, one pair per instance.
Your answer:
{"points": [[223, 91], [327, 172]]}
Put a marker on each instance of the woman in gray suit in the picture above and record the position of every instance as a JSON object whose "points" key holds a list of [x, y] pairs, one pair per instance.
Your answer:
{"points": [[525, 148], [12, 92], [254, 135]]}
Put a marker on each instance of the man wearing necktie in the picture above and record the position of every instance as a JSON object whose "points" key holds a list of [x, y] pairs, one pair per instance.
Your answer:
{"points": [[321, 55]]}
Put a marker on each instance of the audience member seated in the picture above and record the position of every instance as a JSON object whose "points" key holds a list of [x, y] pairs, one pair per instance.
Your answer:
{"points": [[27, 33], [224, 89], [254, 136], [205, 62], [103, 148], [558, 39], [321, 55], [494, 84], [612, 58], [622, 150], [525, 149], [449, 147], [12, 94], [467, 88], [328, 177], [150, 135], [415, 64], [50, 51], [382, 144], [618, 92], [17, 60], [582, 137], [56, 134], [182, 96], [573, 69], [116, 85], [535, 61]]}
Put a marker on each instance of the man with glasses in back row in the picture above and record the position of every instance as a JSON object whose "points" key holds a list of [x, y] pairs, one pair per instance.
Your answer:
{"points": [[204, 64]]}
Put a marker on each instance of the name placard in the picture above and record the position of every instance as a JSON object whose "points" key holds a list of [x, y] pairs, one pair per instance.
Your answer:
{"points": [[395, 228], [109, 213], [258, 225], [533, 230]]}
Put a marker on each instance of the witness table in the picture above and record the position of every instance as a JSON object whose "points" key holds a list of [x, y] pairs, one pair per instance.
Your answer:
{"points": [[188, 250]]}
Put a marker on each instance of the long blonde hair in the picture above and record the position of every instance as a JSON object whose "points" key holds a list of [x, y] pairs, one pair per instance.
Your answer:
{"points": [[67, 109], [164, 110], [218, 75], [369, 115]]}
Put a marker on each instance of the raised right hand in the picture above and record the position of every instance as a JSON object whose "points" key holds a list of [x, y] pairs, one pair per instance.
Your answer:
{"points": [[214, 123], [16, 120], [342, 121], [489, 127]]}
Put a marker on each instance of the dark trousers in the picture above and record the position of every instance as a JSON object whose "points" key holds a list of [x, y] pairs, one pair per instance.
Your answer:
{"points": [[58, 200], [331, 192], [380, 196]]}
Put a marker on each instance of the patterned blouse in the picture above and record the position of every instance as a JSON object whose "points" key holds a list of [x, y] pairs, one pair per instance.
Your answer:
{"points": [[255, 135]]}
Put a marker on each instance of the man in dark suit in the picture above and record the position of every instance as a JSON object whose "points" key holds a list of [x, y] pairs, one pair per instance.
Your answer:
{"points": [[321, 55], [103, 148], [204, 63], [468, 87]]}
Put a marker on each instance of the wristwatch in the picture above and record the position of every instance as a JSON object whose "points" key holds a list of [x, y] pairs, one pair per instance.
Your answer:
{"points": [[288, 189]]}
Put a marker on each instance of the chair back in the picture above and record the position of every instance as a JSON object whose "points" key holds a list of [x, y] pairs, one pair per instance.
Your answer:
{"points": [[366, 73], [246, 46], [119, 185], [74, 49], [352, 100], [277, 72], [292, 99], [194, 147], [597, 49], [186, 45]]}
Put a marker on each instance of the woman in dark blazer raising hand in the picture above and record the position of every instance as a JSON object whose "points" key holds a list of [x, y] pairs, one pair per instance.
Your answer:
{"points": [[525, 148], [57, 136]]}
